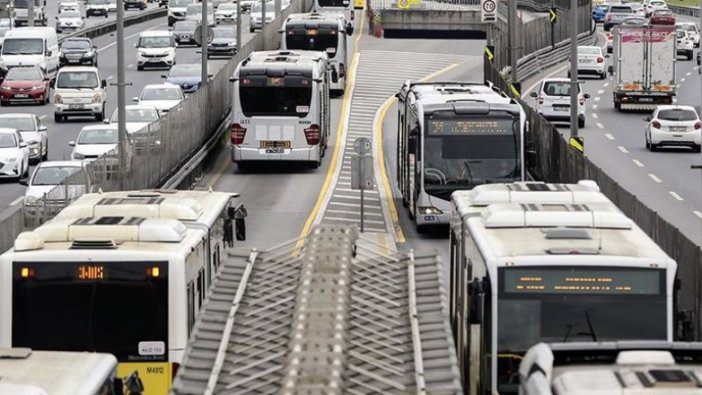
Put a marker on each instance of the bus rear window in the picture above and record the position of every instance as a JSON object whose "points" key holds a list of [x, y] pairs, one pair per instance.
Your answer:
{"points": [[334, 3], [313, 40], [275, 96]]}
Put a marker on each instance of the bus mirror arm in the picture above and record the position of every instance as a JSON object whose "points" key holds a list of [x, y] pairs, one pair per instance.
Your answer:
{"points": [[238, 214], [476, 293]]}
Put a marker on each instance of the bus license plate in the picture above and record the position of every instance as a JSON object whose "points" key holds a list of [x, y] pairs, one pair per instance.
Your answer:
{"points": [[274, 144]]}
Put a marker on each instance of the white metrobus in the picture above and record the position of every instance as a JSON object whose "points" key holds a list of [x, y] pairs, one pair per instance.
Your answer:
{"points": [[534, 262], [321, 32], [281, 108], [123, 273], [453, 136], [30, 372], [344, 8]]}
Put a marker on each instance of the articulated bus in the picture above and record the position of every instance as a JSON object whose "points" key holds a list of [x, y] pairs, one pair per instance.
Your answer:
{"points": [[453, 136], [549, 263], [321, 32], [123, 273], [281, 108]]}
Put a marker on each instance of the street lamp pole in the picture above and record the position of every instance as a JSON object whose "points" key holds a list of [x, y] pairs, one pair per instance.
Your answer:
{"points": [[121, 97], [574, 68], [203, 39]]}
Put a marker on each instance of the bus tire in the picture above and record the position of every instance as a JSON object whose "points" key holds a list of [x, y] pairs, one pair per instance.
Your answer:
{"points": [[421, 229], [314, 165], [242, 167]]}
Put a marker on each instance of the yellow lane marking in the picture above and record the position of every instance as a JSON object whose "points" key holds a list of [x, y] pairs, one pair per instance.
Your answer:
{"points": [[340, 134], [378, 129]]}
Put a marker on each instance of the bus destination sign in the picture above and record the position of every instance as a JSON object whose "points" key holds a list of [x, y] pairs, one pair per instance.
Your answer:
{"points": [[582, 281]]}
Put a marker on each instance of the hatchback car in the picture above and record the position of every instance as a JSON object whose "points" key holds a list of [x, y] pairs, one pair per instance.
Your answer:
{"points": [[639, 9], [223, 43], [655, 5], [692, 31], [184, 32], [94, 141], [78, 51], [591, 60], [14, 155], [673, 125], [69, 21], [162, 96], [24, 85], [662, 17], [188, 76], [32, 130], [226, 13], [686, 44], [553, 101]]}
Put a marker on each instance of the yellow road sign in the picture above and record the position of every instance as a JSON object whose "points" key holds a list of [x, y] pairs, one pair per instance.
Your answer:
{"points": [[404, 4], [515, 90], [553, 15], [488, 54], [577, 143]]}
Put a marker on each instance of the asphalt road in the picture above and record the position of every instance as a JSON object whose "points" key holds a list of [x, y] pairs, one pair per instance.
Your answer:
{"points": [[60, 134], [614, 141]]}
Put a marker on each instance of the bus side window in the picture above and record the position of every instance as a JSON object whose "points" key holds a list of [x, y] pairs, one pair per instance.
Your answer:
{"points": [[191, 306], [200, 288], [413, 139]]}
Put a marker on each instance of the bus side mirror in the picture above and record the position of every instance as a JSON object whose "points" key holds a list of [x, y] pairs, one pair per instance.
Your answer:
{"points": [[476, 295], [349, 29], [238, 215]]}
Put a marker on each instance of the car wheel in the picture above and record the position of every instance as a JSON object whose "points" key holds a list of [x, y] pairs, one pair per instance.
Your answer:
{"points": [[689, 55], [101, 116], [45, 153], [251, 30], [140, 68], [604, 75], [314, 165], [58, 118], [26, 170], [581, 122], [653, 147], [697, 148]]}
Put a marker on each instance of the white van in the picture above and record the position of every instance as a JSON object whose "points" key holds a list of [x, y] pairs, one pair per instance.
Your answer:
{"points": [[30, 46], [79, 91], [321, 32], [155, 49], [281, 108]]}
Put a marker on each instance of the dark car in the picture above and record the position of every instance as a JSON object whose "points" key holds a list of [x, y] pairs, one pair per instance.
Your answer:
{"points": [[184, 32], [599, 12], [188, 76], [78, 51], [24, 85], [223, 43], [140, 4], [662, 17]]}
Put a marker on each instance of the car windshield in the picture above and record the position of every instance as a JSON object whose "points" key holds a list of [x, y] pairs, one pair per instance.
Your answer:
{"points": [[681, 33], [688, 27], [101, 136], [677, 115], [23, 46], [657, 3], [154, 42], [293, 96], [161, 94], [75, 44], [185, 26], [589, 51], [314, 40], [138, 115], [258, 8], [24, 74], [20, 123], [185, 70], [77, 80], [224, 33], [97, 2], [69, 14], [227, 7], [663, 13], [8, 140], [179, 3], [194, 9], [557, 88], [619, 9], [54, 175]]}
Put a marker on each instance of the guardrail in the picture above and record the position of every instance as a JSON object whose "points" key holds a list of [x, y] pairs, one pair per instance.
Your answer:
{"points": [[687, 11], [108, 27]]}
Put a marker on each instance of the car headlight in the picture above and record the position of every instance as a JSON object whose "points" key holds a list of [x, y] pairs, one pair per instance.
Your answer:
{"points": [[141, 53], [61, 55], [429, 210], [38, 87], [58, 99], [77, 155], [97, 98], [88, 54], [5, 88]]}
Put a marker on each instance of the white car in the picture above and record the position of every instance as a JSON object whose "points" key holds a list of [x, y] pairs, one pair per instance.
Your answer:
{"points": [[256, 15], [97, 7], [194, 13], [692, 31], [673, 125], [155, 49], [686, 44], [112, 5], [655, 5], [94, 141], [162, 96], [591, 60], [137, 117], [68, 21], [226, 13], [553, 101], [246, 5], [48, 175], [68, 6], [79, 91], [176, 10], [33, 132], [639, 9], [14, 155]]}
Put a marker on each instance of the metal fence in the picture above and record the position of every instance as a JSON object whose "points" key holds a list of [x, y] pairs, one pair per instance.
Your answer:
{"points": [[157, 151], [557, 162]]}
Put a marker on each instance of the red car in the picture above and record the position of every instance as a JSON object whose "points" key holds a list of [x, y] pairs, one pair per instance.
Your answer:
{"points": [[24, 85], [662, 17]]}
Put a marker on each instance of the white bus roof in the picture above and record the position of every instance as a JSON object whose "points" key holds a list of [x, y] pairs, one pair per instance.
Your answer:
{"points": [[316, 16], [287, 55], [646, 370], [506, 231], [443, 92], [25, 371], [198, 206], [473, 201], [30, 32]]}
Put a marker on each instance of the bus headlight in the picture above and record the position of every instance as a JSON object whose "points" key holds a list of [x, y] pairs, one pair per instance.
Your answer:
{"points": [[429, 210]]}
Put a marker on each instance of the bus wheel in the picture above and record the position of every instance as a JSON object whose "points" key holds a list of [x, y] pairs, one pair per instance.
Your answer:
{"points": [[421, 229], [314, 165]]}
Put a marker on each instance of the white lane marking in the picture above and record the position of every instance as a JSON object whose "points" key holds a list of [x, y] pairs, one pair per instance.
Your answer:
{"points": [[535, 84], [606, 84], [698, 214], [600, 91], [130, 66], [42, 116], [624, 150], [676, 196], [654, 178], [597, 98], [594, 115], [16, 201], [682, 79], [688, 73], [594, 106], [129, 37], [638, 163], [696, 68], [110, 77], [599, 125], [609, 136]]}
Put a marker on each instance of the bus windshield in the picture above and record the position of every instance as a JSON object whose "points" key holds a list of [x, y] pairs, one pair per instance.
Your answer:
{"points": [[103, 307], [293, 96], [317, 41], [334, 3], [571, 304], [461, 152]]}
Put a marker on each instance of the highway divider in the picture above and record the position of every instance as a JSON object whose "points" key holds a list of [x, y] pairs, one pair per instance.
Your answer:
{"points": [[107, 27]]}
